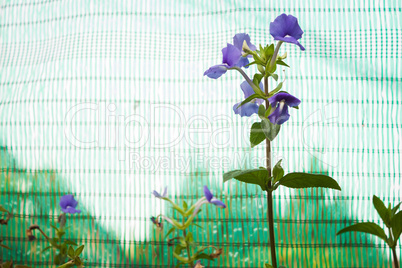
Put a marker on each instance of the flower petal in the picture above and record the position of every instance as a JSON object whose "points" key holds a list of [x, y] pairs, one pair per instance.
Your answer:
{"points": [[279, 116], [290, 39], [216, 71], [231, 55], [70, 210], [248, 90], [238, 41], [68, 200], [289, 99], [246, 109], [207, 193], [243, 61], [218, 203], [286, 28]]}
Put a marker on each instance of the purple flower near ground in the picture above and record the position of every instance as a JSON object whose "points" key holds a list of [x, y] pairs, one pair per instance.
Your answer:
{"points": [[232, 56], [211, 199], [286, 28], [280, 102], [161, 196], [249, 108], [68, 204]]}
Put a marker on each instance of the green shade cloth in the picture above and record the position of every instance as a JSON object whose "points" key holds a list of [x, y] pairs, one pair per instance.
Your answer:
{"points": [[106, 100]]}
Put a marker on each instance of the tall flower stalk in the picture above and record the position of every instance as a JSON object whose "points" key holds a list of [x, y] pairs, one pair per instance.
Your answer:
{"points": [[272, 115]]}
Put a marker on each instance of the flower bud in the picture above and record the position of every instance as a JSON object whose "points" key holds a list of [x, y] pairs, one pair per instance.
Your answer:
{"points": [[246, 48], [217, 253], [62, 220]]}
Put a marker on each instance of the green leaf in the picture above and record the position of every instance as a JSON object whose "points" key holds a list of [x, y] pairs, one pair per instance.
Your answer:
{"points": [[4, 246], [269, 50], [270, 130], [204, 256], [365, 227], [396, 225], [45, 249], [171, 230], [69, 242], [178, 249], [280, 62], [395, 209], [70, 252], [306, 180], [3, 209], [54, 227], [382, 211], [185, 206], [275, 90], [190, 238], [195, 224], [268, 265], [250, 98], [277, 172], [256, 134], [79, 250], [253, 176]]}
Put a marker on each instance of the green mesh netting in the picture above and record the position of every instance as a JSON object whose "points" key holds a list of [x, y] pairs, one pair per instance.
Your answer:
{"points": [[107, 100]]}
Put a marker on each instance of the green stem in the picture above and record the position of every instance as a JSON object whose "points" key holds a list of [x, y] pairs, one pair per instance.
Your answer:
{"points": [[273, 59], [191, 264], [270, 213], [254, 87], [396, 263]]}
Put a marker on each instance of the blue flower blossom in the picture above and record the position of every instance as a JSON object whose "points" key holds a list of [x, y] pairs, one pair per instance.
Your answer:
{"points": [[249, 108], [280, 102], [232, 56], [68, 204], [286, 28], [161, 196], [211, 199]]}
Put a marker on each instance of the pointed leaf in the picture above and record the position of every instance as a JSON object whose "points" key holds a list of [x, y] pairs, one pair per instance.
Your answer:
{"points": [[3, 209], [280, 62], [395, 209], [171, 230], [185, 206], [204, 256], [69, 242], [253, 176], [70, 252], [396, 225], [276, 90], [270, 130], [46, 249], [382, 210], [256, 134], [277, 172], [252, 97], [306, 180], [365, 227], [79, 250], [4, 246], [268, 265]]}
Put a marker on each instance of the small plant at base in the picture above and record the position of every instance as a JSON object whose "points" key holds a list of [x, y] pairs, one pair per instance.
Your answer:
{"points": [[391, 219], [185, 241], [64, 247]]}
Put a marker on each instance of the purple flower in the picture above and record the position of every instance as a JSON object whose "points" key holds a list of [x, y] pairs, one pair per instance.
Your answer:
{"points": [[249, 108], [280, 103], [286, 28], [157, 195], [232, 56], [211, 199], [68, 204]]}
